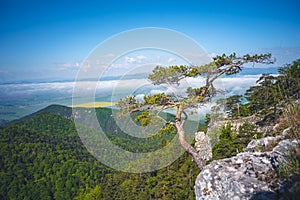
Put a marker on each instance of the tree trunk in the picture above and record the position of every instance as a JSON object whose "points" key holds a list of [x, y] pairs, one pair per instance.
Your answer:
{"points": [[275, 109], [188, 148], [238, 108], [181, 136]]}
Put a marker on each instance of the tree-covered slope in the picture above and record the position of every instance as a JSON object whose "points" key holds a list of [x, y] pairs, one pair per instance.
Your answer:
{"points": [[39, 165], [42, 157]]}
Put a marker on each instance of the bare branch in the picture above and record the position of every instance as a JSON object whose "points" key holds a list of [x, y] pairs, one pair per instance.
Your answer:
{"points": [[184, 120], [166, 107], [138, 109]]}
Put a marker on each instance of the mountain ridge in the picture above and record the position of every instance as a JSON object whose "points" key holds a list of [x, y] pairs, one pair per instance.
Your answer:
{"points": [[42, 157]]}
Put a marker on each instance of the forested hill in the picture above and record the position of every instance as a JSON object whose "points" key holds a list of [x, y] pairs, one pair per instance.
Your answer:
{"points": [[42, 157], [57, 119], [60, 110]]}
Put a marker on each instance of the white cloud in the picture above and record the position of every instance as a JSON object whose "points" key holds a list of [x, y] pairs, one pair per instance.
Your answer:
{"points": [[62, 66], [130, 60], [232, 85], [211, 55], [135, 59], [121, 88], [171, 60], [140, 97], [141, 57], [152, 92], [36, 88]]}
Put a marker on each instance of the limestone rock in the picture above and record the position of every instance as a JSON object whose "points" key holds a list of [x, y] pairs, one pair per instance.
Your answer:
{"points": [[203, 145], [215, 126], [257, 145], [248, 175]]}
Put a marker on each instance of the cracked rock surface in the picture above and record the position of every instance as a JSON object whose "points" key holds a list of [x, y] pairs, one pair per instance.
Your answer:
{"points": [[203, 145], [248, 175]]}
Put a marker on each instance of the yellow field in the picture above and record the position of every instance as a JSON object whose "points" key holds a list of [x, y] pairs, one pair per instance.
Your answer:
{"points": [[94, 105]]}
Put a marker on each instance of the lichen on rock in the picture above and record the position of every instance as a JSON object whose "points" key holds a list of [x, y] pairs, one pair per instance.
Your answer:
{"points": [[248, 175], [203, 145]]}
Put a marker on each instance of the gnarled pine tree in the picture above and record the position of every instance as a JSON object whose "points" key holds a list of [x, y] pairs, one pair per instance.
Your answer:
{"points": [[224, 64]]}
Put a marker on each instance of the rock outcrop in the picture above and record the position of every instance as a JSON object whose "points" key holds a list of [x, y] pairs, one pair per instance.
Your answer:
{"points": [[262, 144], [248, 175], [203, 145], [215, 126], [266, 143]]}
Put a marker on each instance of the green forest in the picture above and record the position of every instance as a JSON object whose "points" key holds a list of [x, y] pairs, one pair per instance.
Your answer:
{"points": [[42, 156], [274, 100]]}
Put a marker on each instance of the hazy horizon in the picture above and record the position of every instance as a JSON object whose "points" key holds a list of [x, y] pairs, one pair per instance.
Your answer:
{"points": [[20, 99]]}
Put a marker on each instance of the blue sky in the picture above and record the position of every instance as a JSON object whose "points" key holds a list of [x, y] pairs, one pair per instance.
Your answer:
{"points": [[49, 39]]}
